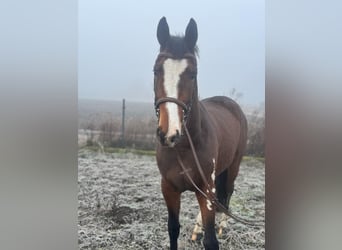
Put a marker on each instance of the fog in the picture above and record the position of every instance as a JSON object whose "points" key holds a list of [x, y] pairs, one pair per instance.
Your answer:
{"points": [[118, 46]]}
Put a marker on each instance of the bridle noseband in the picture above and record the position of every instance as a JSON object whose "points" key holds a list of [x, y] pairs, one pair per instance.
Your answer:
{"points": [[185, 108]]}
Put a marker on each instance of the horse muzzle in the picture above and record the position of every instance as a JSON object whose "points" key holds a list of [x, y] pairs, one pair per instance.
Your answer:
{"points": [[168, 140]]}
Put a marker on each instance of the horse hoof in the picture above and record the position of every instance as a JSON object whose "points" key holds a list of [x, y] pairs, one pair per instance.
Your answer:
{"points": [[220, 231], [222, 221], [196, 236]]}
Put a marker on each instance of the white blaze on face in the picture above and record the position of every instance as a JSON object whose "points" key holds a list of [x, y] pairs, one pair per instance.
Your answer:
{"points": [[172, 70]]}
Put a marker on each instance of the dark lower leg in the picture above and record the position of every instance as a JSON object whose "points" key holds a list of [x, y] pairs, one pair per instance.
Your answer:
{"points": [[173, 228], [172, 199], [232, 174], [210, 241], [221, 188], [230, 190], [208, 217]]}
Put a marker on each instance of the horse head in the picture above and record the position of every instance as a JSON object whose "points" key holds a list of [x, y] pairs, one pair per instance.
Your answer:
{"points": [[175, 80]]}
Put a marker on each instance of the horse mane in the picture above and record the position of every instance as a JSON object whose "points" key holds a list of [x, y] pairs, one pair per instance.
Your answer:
{"points": [[177, 47], [229, 104]]}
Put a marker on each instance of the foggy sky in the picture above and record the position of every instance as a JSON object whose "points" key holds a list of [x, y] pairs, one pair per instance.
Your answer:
{"points": [[118, 46]]}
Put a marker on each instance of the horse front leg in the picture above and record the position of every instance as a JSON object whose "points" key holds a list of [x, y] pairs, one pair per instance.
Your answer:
{"points": [[172, 199], [208, 219]]}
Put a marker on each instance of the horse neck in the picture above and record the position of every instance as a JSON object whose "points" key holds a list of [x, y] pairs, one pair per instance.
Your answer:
{"points": [[194, 122]]}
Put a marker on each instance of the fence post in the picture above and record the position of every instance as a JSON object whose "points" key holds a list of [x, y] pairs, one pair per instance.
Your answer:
{"points": [[123, 123]]}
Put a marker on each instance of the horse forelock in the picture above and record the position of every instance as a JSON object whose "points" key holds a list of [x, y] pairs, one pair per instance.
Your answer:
{"points": [[176, 46]]}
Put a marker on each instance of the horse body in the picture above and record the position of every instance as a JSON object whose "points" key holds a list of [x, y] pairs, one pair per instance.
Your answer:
{"points": [[217, 126], [215, 115]]}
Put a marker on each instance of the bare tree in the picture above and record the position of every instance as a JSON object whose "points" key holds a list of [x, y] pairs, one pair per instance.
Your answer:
{"points": [[90, 128], [256, 134], [109, 129], [235, 95]]}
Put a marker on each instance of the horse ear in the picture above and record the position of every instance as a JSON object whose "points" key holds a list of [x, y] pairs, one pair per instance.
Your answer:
{"points": [[163, 33], [191, 34]]}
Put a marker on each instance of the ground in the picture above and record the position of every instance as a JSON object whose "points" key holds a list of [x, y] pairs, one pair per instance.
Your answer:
{"points": [[121, 205]]}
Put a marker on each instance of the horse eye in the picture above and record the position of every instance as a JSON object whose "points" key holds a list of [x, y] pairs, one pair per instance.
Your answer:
{"points": [[192, 74], [156, 72]]}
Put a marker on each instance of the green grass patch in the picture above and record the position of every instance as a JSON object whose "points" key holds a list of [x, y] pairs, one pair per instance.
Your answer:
{"points": [[130, 150], [92, 148], [246, 159], [122, 150], [253, 158]]}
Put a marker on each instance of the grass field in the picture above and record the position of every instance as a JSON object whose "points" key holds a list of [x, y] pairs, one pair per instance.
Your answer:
{"points": [[121, 205]]}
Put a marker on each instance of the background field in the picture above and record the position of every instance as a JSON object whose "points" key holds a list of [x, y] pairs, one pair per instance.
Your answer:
{"points": [[121, 205], [100, 124], [120, 202]]}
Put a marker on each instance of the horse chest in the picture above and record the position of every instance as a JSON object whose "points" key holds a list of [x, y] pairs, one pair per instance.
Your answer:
{"points": [[178, 180], [173, 173]]}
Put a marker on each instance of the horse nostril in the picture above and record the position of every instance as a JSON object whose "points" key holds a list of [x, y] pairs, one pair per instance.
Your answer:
{"points": [[160, 134], [175, 137]]}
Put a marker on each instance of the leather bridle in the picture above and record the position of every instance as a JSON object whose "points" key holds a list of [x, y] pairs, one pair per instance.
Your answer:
{"points": [[186, 108]]}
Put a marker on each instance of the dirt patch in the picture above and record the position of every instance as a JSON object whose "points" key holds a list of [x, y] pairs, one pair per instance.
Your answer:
{"points": [[121, 205]]}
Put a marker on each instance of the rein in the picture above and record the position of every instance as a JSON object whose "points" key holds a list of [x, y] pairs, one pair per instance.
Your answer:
{"points": [[211, 197]]}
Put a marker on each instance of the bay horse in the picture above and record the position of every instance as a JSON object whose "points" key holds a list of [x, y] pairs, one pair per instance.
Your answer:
{"points": [[216, 125]]}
